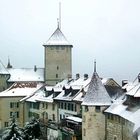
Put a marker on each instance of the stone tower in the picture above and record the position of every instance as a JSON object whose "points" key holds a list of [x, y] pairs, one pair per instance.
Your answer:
{"points": [[94, 103], [58, 58]]}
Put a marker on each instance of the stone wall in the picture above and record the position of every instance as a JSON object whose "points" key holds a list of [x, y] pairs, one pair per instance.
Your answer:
{"points": [[118, 128], [93, 123], [58, 63]]}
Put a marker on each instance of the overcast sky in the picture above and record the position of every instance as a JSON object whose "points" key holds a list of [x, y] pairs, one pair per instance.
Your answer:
{"points": [[105, 30]]}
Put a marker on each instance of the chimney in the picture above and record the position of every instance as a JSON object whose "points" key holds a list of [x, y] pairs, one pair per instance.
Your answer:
{"points": [[85, 76], [124, 82], [77, 76], [139, 77], [35, 68]]}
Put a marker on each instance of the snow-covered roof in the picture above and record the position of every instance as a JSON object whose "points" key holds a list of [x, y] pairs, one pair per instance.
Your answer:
{"points": [[64, 83], [80, 95], [64, 97], [57, 38], [75, 85], [73, 118], [40, 96], [134, 91], [96, 94], [122, 110], [20, 90], [26, 74]]}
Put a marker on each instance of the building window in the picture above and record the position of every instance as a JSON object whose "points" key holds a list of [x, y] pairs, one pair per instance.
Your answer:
{"points": [[62, 105], [53, 106], [46, 105], [86, 108], [68, 106], [60, 117], [16, 114], [53, 117], [112, 117], [43, 105], [97, 108], [56, 75], [84, 132], [115, 138], [14, 105], [5, 124], [11, 114], [57, 67], [46, 115], [65, 105]]}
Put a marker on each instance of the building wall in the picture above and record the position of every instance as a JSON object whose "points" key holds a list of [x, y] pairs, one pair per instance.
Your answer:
{"points": [[6, 111], [67, 109], [58, 63], [3, 81], [52, 134], [118, 128], [93, 123], [46, 111]]}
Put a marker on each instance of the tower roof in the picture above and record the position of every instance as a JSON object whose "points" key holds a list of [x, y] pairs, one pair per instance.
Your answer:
{"points": [[96, 94], [57, 38]]}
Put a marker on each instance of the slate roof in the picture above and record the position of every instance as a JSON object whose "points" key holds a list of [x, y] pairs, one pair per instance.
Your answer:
{"points": [[96, 94], [57, 38]]}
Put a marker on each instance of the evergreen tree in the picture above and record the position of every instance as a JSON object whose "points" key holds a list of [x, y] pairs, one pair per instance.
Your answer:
{"points": [[13, 132], [32, 129]]}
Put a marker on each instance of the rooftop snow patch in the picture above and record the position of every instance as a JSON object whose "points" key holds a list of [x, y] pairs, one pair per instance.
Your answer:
{"points": [[57, 38]]}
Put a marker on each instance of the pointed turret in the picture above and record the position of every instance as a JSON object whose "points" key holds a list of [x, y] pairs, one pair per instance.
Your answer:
{"points": [[96, 94], [57, 38], [9, 64]]}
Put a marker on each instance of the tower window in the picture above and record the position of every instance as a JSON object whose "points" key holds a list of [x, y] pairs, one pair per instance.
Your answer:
{"points": [[57, 67], [56, 75], [97, 108]]}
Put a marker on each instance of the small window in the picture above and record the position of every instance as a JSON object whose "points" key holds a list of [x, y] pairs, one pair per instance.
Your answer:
{"points": [[115, 138], [11, 114], [86, 108], [65, 105], [11, 105], [46, 105], [60, 117], [112, 117], [46, 115], [84, 132], [17, 105], [5, 124], [57, 67], [97, 108], [53, 106], [62, 105], [56, 75], [53, 117], [17, 114]]}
